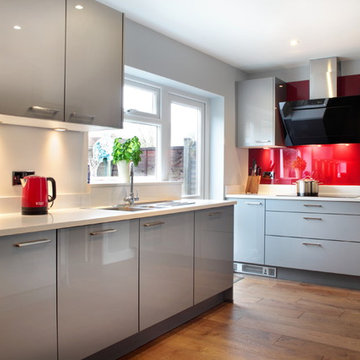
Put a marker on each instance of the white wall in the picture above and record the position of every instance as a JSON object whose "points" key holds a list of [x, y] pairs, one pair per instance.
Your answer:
{"points": [[61, 155], [153, 52]]}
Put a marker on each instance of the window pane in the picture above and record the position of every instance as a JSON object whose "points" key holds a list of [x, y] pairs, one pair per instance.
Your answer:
{"points": [[101, 144], [140, 98], [185, 150]]}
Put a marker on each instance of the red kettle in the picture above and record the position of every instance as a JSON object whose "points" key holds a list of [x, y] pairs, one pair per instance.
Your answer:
{"points": [[35, 198]]}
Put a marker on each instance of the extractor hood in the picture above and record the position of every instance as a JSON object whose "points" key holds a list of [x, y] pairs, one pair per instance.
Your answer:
{"points": [[325, 118]]}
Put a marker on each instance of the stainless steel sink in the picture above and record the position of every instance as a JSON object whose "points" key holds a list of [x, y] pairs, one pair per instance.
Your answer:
{"points": [[149, 206], [125, 208]]}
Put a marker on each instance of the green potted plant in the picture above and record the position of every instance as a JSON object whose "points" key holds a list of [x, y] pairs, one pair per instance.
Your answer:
{"points": [[124, 151]]}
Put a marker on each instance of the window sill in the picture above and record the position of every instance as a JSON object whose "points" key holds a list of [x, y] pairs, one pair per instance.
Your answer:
{"points": [[107, 183]]}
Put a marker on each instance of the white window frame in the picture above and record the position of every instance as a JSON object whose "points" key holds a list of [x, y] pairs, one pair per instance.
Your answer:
{"points": [[133, 113], [165, 95]]}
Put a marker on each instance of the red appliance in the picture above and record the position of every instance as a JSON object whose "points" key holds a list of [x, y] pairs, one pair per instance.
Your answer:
{"points": [[35, 197]]}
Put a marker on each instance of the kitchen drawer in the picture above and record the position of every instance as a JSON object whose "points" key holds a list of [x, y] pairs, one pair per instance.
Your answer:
{"points": [[310, 225], [314, 206], [339, 257]]}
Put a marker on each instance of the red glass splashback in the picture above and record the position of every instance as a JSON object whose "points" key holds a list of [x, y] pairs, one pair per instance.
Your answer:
{"points": [[336, 164]]}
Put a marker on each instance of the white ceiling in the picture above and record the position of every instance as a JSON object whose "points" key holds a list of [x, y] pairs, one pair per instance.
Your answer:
{"points": [[254, 35]]}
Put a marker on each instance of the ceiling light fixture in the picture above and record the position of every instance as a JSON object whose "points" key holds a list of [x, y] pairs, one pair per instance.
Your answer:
{"points": [[294, 42], [79, 7], [17, 27]]}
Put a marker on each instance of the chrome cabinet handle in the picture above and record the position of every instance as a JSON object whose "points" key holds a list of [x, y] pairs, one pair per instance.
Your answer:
{"points": [[101, 232], [262, 141], [312, 244], [32, 242], [42, 109], [155, 223], [253, 203], [215, 213], [312, 218], [88, 118], [313, 205]]}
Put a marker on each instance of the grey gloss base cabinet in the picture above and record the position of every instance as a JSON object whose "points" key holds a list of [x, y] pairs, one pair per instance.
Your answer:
{"points": [[249, 224], [166, 267], [65, 63], [97, 287], [28, 296], [213, 259]]}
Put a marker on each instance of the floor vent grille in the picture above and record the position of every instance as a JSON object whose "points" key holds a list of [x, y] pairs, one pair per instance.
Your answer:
{"points": [[255, 270]]}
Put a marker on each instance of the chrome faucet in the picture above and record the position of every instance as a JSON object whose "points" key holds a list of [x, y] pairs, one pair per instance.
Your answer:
{"points": [[131, 198]]}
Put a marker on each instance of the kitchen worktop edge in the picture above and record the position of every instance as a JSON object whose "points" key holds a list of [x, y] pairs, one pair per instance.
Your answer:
{"points": [[15, 223]]}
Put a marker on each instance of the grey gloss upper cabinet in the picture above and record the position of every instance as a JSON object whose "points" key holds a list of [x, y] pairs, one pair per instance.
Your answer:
{"points": [[94, 64], [65, 63], [166, 266], [213, 252], [28, 296], [97, 287], [258, 118], [32, 58]]}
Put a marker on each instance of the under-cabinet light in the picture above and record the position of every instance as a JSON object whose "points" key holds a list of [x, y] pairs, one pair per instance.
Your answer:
{"points": [[79, 7], [59, 129], [294, 42]]}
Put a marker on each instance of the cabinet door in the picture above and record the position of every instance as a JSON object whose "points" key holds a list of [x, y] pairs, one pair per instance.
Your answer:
{"points": [[258, 122], [32, 58], [249, 231], [97, 287], [213, 252], [166, 266], [94, 65], [28, 296]]}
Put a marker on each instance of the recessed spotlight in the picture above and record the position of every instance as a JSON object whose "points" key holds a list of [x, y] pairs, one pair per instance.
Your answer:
{"points": [[17, 27], [294, 42], [79, 7], [60, 129]]}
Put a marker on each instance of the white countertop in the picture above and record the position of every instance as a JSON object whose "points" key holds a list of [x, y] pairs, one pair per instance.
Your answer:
{"points": [[322, 197], [15, 223]]}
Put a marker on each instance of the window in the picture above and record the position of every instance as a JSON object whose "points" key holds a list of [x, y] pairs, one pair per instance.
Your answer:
{"points": [[141, 99], [186, 153], [170, 128]]}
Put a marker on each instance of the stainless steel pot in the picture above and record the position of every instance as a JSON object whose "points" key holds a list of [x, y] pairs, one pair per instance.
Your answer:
{"points": [[307, 187]]}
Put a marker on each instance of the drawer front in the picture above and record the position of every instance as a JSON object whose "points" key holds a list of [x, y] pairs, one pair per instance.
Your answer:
{"points": [[314, 206], [310, 225], [318, 255]]}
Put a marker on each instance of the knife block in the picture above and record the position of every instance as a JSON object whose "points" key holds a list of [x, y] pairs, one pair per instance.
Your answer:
{"points": [[252, 184]]}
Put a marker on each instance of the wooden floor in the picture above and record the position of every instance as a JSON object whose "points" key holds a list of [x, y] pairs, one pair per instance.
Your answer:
{"points": [[269, 319]]}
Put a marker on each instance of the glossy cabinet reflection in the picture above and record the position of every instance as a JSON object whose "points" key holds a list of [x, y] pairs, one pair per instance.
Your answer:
{"points": [[97, 287], [166, 266], [32, 58], [94, 64], [28, 296], [213, 252]]}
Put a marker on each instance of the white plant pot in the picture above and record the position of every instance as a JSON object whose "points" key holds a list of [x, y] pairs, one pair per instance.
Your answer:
{"points": [[123, 171]]}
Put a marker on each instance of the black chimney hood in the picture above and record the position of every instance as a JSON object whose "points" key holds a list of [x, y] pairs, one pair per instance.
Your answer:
{"points": [[321, 121]]}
